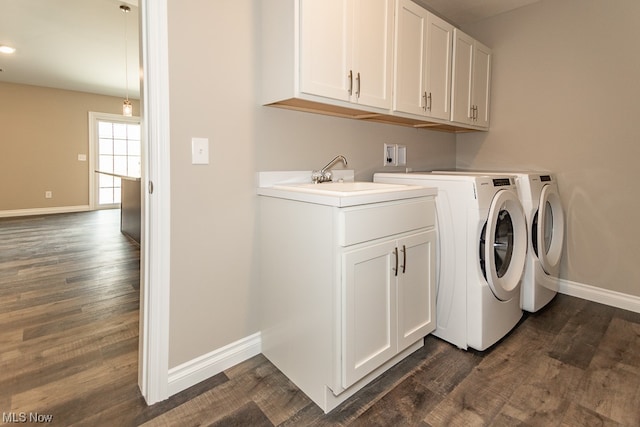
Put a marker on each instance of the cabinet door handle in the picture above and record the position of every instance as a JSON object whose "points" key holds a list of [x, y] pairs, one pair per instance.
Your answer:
{"points": [[430, 101], [404, 259], [359, 82], [395, 252], [424, 107], [350, 77]]}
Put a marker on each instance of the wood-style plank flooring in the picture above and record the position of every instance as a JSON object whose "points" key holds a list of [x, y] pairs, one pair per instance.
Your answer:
{"points": [[69, 300]]}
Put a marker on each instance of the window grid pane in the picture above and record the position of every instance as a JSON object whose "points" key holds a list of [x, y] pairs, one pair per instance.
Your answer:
{"points": [[119, 153]]}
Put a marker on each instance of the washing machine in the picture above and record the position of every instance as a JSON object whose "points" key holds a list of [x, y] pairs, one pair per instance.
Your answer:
{"points": [[538, 193], [481, 256]]}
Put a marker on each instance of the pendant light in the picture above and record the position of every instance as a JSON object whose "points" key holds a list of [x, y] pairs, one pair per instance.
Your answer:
{"points": [[127, 108]]}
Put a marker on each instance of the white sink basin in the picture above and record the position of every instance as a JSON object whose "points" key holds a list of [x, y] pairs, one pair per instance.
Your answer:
{"points": [[343, 189], [343, 194], [295, 185]]}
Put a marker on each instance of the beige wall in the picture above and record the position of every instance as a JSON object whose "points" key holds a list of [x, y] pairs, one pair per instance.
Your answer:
{"points": [[214, 89], [565, 97], [42, 131]]}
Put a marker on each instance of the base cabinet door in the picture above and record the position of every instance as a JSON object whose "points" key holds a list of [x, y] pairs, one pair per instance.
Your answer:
{"points": [[369, 310], [416, 288], [388, 301]]}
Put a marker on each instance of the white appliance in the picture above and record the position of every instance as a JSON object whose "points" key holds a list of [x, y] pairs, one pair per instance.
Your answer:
{"points": [[538, 193], [482, 252]]}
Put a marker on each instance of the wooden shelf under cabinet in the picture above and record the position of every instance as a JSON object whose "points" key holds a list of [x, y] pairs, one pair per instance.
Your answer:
{"points": [[352, 113]]}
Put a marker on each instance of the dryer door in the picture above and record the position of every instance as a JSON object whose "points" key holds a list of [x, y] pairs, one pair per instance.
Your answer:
{"points": [[548, 231], [503, 245]]}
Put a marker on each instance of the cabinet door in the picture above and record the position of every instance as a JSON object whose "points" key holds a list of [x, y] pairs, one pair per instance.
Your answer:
{"points": [[368, 310], [481, 83], [438, 67], [324, 48], [462, 78], [410, 58], [372, 58], [416, 288]]}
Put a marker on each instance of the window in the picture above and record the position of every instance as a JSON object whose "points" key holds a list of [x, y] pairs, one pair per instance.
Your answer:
{"points": [[116, 150]]}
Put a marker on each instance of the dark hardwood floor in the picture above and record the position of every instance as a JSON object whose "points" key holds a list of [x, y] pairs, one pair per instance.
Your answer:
{"points": [[69, 300]]}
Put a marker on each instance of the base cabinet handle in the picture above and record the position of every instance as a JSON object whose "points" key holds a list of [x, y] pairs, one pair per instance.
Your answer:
{"points": [[404, 259], [395, 252]]}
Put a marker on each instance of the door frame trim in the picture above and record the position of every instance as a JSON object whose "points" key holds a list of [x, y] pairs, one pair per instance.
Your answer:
{"points": [[153, 372]]}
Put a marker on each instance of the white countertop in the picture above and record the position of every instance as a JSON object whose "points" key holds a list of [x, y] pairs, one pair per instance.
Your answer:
{"points": [[296, 185]]}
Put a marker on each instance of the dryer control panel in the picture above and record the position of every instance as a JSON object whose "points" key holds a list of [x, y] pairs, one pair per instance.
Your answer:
{"points": [[502, 182]]}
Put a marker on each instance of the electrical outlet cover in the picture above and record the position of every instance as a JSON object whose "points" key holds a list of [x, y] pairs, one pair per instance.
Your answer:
{"points": [[390, 155], [402, 155]]}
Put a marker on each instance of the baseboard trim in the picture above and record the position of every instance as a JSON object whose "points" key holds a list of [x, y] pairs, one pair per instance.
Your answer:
{"points": [[44, 211], [199, 369], [599, 295]]}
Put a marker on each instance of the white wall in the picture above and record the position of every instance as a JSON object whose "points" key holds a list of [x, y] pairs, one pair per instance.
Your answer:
{"points": [[214, 91], [566, 98]]}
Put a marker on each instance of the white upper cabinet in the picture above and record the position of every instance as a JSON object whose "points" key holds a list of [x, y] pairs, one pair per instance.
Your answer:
{"points": [[439, 58], [346, 50], [324, 43], [481, 83], [388, 61], [423, 51], [471, 81], [373, 52]]}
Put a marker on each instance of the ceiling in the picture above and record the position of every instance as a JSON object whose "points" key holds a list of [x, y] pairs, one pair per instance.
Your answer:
{"points": [[461, 12], [80, 44], [71, 44]]}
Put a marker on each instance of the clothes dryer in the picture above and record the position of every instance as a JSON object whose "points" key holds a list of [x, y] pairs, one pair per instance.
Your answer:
{"points": [[482, 252], [538, 193]]}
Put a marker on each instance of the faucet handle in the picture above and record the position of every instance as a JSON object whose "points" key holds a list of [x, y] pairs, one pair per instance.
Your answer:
{"points": [[316, 177]]}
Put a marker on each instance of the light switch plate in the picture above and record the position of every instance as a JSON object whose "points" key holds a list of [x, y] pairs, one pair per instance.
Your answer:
{"points": [[200, 151]]}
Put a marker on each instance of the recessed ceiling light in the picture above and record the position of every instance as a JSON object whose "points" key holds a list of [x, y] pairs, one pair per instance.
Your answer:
{"points": [[6, 49]]}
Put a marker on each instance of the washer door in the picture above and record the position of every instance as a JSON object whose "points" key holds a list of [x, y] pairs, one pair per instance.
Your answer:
{"points": [[548, 230], [503, 245]]}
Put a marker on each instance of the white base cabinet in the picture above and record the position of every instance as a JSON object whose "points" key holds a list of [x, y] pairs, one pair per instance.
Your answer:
{"points": [[345, 293]]}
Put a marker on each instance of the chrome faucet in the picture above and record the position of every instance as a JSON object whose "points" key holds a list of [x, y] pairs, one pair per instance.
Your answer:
{"points": [[324, 175]]}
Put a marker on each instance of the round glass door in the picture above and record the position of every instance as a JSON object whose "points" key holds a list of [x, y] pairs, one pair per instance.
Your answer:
{"points": [[548, 230], [503, 245]]}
